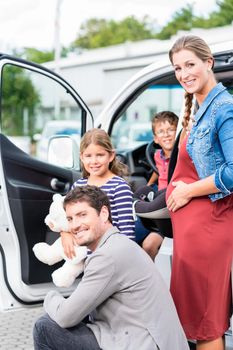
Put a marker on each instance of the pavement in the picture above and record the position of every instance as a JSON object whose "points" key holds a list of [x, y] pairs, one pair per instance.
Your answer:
{"points": [[16, 329]]}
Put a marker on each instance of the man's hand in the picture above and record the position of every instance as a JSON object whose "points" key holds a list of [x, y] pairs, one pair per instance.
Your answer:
{"points": [[68, 244], [179, 197]]}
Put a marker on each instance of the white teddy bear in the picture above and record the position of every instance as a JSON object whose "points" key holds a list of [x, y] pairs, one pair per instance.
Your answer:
{"points": [[51, 254]]}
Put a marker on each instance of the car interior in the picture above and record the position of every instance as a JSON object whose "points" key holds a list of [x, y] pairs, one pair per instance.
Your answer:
{"points": [[29, 188]]}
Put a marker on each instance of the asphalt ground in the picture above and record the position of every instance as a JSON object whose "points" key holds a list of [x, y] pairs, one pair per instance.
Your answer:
{"points": [[16, 329]]}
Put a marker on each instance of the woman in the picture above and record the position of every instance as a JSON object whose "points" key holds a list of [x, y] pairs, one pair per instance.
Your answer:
{"points": [[200, 199]]}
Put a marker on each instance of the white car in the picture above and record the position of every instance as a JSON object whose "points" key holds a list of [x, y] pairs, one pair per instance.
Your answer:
{"points": [[27, 184], [53, 128], [133, 136]]}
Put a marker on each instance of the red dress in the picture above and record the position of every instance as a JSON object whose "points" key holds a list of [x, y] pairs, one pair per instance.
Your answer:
{"points": [[201, 266]]}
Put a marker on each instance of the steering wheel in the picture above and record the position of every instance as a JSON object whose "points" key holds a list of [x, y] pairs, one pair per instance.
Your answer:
{"points": [[150, 151]]}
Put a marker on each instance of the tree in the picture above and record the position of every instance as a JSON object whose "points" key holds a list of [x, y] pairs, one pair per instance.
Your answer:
{"points": [[38, 56], [19, 96], [223, 16], [184, 19], [181, 20], [101, 33]]}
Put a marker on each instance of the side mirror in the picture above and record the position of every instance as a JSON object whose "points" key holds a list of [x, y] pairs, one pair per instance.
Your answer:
{"points": [[63, 151]]}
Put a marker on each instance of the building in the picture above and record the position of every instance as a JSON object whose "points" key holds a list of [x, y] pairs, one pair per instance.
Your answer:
{"points": [[97, 74]]}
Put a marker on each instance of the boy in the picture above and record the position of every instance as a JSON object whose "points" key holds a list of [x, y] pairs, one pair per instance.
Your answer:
{"points": [[164, 125]]}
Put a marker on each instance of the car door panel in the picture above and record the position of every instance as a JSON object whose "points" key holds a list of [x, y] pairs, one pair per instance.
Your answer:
{"points": [[29, 192], [31, 96]]}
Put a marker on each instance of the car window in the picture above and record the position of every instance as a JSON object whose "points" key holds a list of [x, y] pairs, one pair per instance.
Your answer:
{"points": [[35, 108], [133, 126], [54, 128]]}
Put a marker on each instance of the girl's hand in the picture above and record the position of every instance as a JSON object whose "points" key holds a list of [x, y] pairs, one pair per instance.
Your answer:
{"points": [[68, 244], [179, 196]]}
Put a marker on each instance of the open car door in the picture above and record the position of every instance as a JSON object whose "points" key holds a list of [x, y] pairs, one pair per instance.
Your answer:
{"points": [[31, 97]]}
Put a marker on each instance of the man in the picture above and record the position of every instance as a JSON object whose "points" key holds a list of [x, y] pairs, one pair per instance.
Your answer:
{"points": [[128, 304]]}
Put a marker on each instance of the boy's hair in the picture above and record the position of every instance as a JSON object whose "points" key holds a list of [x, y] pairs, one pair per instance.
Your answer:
{"points": [[92, 195], [101, 138], [169, 116]]}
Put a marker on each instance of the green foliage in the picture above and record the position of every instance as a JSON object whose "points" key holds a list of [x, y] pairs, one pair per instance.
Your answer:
{"points": [[19, 97], [185, 19], [223, 16], [100, 32], [182, 19], [38, 56]]}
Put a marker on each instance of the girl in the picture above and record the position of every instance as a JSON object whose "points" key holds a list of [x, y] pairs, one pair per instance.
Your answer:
{"points": [[101, 168], [200, 200]]}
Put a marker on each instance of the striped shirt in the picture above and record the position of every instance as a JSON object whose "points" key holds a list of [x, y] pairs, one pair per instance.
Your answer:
{"points": [[120, 197]]}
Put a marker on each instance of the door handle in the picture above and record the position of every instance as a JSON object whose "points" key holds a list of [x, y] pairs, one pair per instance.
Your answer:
{"points": [[58, 185]]}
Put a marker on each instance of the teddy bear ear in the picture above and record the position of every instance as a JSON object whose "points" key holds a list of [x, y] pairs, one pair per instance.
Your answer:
{"points": [[56, 197]]}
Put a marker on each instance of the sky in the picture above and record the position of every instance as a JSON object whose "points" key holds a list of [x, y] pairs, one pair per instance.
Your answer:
{"points": [[31, 23]]}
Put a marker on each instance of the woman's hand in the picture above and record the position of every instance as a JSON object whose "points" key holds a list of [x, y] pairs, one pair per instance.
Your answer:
{"points": [[179, 197], [68, 244]]}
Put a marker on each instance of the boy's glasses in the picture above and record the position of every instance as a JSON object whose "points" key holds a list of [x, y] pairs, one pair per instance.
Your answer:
{"points": [[169, 132]]}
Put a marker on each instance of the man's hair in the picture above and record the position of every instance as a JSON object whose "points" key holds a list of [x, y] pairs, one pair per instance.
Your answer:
{"points": [[92, 195], [164, 116]]}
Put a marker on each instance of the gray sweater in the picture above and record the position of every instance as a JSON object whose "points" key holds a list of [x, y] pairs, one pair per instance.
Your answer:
{"points": [[129, 303]]}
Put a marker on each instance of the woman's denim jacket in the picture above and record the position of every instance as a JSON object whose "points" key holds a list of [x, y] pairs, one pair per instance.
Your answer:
{"points": [[210, 143]]}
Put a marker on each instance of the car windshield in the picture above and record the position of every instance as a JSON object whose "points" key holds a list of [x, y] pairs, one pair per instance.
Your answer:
{"points": [[68, 131], [142, 135], [61, 130]]}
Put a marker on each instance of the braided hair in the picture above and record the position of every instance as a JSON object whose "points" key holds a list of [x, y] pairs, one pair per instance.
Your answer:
{"points": [[187, 110]]}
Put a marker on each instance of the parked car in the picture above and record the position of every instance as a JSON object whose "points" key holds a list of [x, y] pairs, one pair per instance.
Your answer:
{"points": [[27, 184], [133, 136], [52, 128]]}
